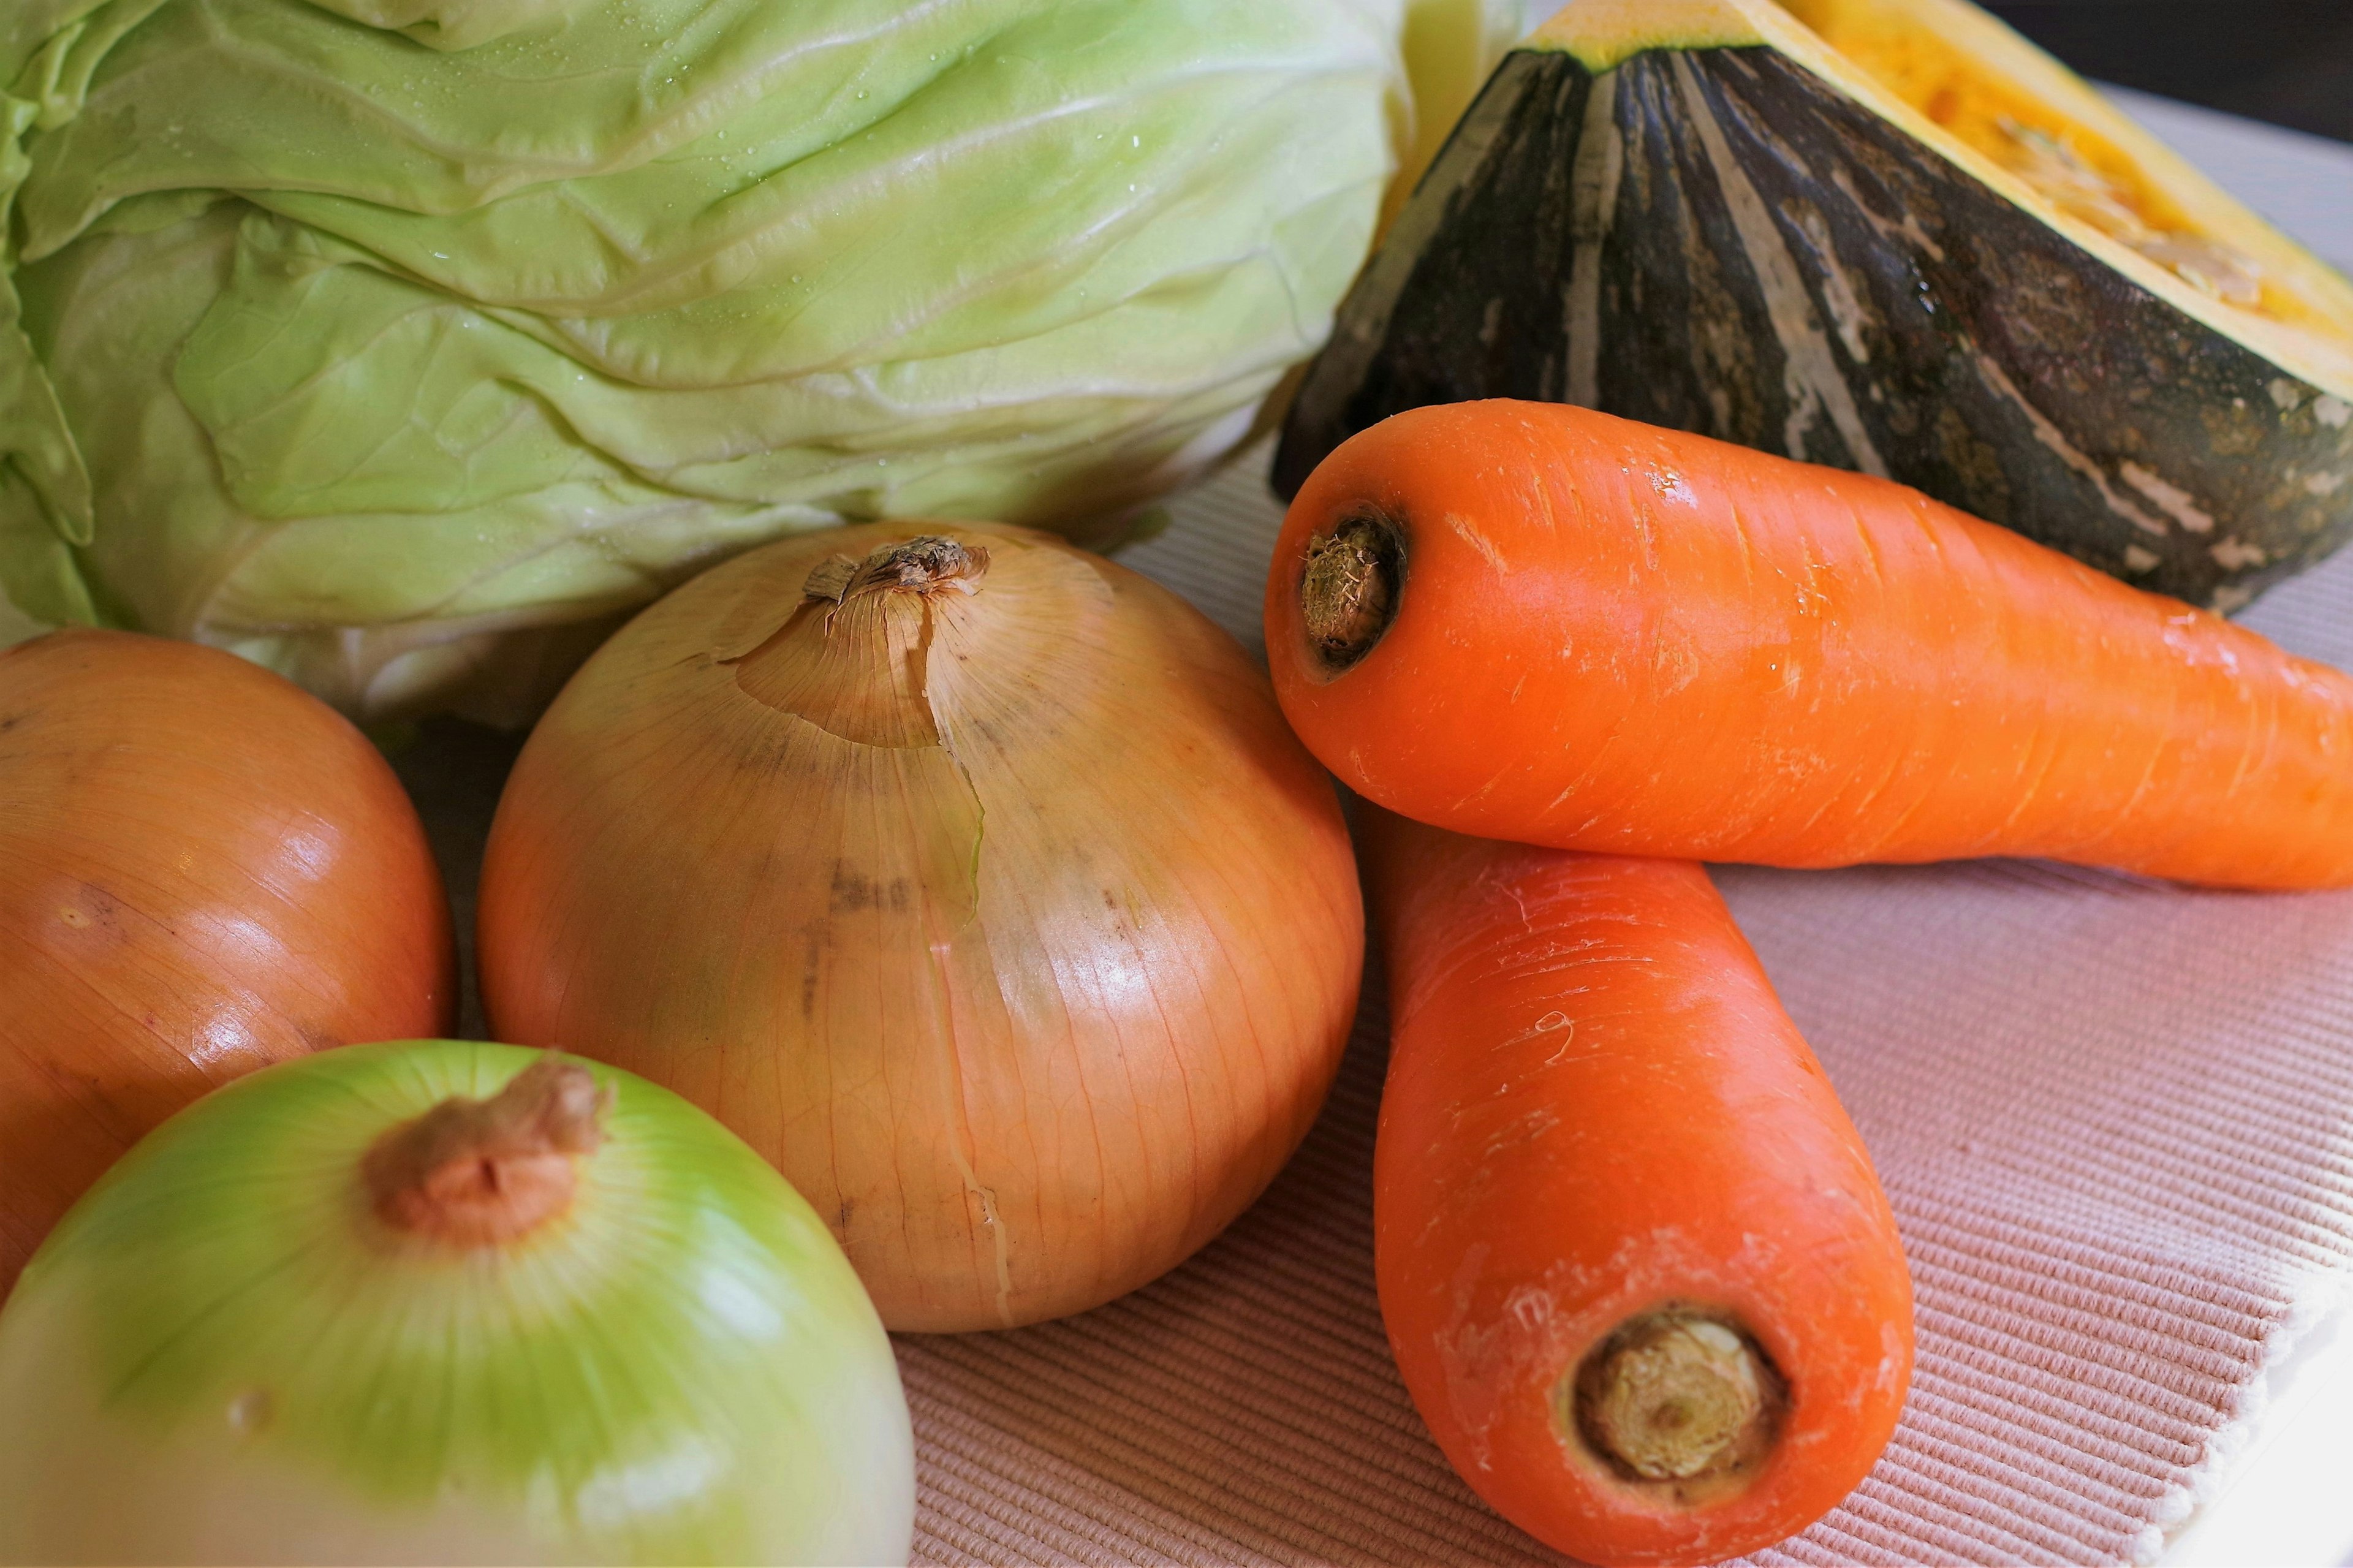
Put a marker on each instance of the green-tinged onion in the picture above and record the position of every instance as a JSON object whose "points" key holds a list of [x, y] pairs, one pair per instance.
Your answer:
{"points": [[435, 1302]]}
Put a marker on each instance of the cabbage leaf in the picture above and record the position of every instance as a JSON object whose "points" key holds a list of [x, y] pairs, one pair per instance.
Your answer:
{"points": [[404, 345]]}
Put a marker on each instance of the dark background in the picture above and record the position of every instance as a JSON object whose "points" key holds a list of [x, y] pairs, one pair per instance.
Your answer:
{"points": [[2288, 61]]}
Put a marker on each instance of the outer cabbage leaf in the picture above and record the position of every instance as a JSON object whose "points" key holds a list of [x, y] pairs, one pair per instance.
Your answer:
{"points": [[410, 343]]}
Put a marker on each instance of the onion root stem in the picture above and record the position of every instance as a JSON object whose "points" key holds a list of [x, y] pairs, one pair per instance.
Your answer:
{"points": [[488, 1172]]}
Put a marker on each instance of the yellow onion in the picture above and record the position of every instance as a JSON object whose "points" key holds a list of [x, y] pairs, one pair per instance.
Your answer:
{"points": [[204, 870], [974, 881]]}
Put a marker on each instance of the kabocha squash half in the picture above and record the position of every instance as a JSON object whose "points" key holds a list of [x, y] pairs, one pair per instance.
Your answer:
{"points": [[1887, 235]]}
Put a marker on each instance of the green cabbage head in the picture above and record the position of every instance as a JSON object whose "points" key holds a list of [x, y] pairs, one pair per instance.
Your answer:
{"points": [[404, 345]]}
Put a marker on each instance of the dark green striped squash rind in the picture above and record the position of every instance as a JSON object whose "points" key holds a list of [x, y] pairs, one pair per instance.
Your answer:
{"points": [[1622, 239]]}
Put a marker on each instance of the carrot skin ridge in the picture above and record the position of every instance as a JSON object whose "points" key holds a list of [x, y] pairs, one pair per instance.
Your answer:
{"points": [[1596, 1105], [1630, 640]]}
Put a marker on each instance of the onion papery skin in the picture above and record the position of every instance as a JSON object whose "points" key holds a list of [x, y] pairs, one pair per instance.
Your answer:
{"points": [[1013, 925], [203, 870], [222, 1355]]}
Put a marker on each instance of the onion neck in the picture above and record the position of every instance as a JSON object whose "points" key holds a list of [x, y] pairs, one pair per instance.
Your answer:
{"points": [[927, 564], [488, 1172], [854, 656]]}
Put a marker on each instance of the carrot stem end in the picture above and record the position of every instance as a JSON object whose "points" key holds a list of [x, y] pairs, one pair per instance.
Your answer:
{"points": [[1348, 592], [1677, 1396]]}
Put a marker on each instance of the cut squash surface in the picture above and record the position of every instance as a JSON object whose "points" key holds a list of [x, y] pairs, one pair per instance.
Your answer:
{"points": [[1887, 235], [2065, 152], [1969, 88]]}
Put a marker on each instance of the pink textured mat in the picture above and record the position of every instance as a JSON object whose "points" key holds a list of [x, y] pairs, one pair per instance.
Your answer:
{"points": [[2116, 1119]]}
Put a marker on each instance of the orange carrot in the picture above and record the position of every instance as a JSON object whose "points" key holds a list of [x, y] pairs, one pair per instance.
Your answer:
{"points": [[1535, 622], [1633, 1260]]}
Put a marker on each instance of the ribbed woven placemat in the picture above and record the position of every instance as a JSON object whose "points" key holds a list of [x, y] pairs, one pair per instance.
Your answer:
{"points": [[2116, 1119]]}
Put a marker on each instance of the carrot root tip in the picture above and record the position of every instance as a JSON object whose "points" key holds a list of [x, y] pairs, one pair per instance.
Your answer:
{"points": [[1348, 590], [1677, 1396]]}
